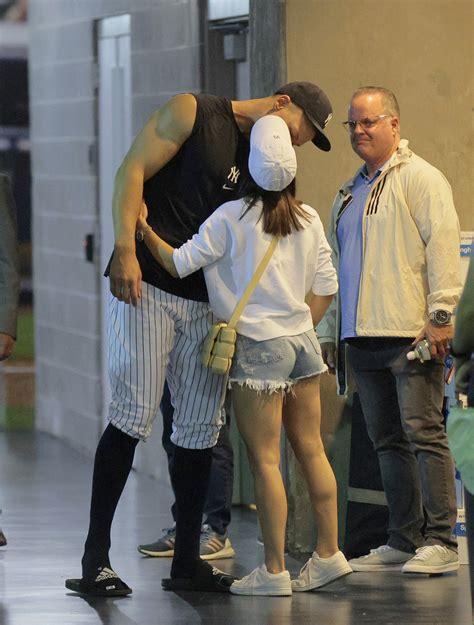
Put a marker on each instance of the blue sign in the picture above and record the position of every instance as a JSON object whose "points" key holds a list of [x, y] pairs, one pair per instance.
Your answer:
{"points": [[460, 529], [466, 249]]}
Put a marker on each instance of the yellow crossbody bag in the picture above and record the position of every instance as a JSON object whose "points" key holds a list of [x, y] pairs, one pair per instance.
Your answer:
{"points": [[219, 345]]}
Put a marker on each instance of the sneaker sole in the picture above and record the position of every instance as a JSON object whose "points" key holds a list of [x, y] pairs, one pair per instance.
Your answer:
{"points": [[362, 568], [432, 570], [219, 555], [156, 554], [323, 582], [262, 592]]}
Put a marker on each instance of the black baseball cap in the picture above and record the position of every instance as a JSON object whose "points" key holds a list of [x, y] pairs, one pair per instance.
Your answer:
{"points": [[316, 106]]}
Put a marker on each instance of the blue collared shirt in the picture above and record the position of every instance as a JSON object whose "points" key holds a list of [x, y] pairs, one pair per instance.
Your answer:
{"points": [[349, 236]]}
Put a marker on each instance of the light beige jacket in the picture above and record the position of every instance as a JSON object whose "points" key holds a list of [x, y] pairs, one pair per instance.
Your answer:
{"points": [[411, 253]]}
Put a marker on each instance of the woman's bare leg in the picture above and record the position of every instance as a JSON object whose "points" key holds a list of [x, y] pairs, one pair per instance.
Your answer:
{"points": [[302, 421], [258, 417]]}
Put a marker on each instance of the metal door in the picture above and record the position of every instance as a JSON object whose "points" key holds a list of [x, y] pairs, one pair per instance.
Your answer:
{"points": [[115, 136]]}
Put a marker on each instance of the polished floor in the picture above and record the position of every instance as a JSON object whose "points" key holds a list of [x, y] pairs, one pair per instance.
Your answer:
{"points": [[44, 492]]}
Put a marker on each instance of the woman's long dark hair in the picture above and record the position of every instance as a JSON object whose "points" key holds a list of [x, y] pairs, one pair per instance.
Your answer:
{"points": [[282, 213]]}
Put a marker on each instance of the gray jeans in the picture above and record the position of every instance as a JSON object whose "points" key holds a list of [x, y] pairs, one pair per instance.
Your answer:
{"points": [[402, 404]]}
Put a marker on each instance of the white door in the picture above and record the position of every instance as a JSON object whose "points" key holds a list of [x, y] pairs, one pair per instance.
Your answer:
{"points": [[115, 137]]}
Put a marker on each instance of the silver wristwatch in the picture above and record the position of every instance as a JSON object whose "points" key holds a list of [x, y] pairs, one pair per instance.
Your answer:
{"points": [[440, 317]]}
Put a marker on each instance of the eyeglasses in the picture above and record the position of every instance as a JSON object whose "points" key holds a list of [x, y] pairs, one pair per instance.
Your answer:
{"points": [[366, 124]]}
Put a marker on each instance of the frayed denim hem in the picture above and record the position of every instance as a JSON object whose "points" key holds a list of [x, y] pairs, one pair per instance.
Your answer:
{"points": [[264, 386], [271, 386]]}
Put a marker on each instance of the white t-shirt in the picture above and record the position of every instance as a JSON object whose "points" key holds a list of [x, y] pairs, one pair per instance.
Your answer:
{"points": [[229, 250]]}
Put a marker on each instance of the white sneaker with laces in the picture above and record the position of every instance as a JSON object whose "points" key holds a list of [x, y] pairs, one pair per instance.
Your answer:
{"points": [[432, 559], [261, 582], [318, 572], [384, 558]]}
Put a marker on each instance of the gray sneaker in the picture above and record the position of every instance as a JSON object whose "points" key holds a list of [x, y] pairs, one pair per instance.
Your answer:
{"points": [[214, 546], [163, 547], [432, 559], [383, 558]]}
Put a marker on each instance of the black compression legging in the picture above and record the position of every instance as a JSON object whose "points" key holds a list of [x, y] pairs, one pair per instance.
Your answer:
{"points": [[190, 477], [112, 465]]}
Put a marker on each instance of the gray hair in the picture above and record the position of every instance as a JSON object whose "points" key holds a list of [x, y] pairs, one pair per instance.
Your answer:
{"points": [[388, 98]]}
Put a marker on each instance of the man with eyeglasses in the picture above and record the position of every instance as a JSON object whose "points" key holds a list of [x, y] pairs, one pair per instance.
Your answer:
{"points": [[395, 239]]}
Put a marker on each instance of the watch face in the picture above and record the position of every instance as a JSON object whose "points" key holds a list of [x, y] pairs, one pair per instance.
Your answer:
{"points": [[441, 317]]}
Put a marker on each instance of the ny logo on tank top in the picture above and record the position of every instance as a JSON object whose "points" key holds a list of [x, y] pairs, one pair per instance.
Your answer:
{"points": [[233, 177]]}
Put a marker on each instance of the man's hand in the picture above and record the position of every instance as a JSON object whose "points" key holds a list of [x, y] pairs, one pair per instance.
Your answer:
{"points": [[438, 338], [328, 352], [125, 276], [7, 343]]}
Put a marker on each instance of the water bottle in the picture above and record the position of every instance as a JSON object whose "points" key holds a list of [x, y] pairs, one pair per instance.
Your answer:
{"points": [[420, 352]]}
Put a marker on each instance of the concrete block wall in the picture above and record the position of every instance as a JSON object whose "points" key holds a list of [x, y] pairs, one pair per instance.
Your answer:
{"points": [[166, 51], [422, 52]]}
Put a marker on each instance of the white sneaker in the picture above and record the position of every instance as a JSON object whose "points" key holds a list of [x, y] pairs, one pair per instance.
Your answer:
{"points": [[261, 582], [432, 559], [318, 572], [383, 558]]}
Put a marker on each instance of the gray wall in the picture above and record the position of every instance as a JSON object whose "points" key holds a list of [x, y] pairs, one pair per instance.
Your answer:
{"points": [[421, 50], [166, 54]]}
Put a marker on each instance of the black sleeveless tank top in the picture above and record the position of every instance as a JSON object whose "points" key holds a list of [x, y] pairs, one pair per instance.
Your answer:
{"points": [[207, 171]]}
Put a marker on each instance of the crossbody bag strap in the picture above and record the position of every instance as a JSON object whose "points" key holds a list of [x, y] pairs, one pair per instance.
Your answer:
{"points": [[252, 284]]}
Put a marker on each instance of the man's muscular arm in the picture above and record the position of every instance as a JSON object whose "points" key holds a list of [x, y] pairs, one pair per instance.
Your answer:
{"points": [[7, 343], [155, 145]]}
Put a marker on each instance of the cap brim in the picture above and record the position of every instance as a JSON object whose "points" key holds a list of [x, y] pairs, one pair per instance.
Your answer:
{"points": [[321, 141]]}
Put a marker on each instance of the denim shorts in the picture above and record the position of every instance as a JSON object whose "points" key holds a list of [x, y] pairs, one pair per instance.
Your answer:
{"points": [[276, 364]]}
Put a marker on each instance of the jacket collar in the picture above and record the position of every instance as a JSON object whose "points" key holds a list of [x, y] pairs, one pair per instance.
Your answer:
{"points": [[400, 156]]}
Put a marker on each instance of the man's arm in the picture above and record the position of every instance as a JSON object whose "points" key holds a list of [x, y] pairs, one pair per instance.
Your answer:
{"points": [[155, 145], [9, 273], [431, 204], [7, 343]]}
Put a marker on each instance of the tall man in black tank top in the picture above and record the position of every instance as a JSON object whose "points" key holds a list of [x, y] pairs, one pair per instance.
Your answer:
{"points": [[189, 158]]}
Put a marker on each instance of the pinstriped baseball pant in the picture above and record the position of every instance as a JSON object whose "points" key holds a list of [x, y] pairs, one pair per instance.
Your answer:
{"points": [[161, 338]]}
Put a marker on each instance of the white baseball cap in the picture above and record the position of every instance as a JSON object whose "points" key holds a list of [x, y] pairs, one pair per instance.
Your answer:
{"points": [[272, 159]]}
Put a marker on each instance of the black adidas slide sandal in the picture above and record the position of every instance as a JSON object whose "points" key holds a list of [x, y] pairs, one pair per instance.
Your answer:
{"points": [[207, 579], [106, 584]]}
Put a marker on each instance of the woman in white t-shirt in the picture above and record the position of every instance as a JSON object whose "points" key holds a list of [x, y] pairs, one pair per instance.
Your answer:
{"points": [[275, 371]]}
